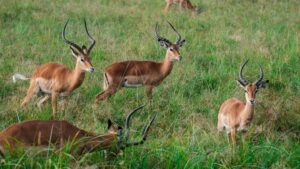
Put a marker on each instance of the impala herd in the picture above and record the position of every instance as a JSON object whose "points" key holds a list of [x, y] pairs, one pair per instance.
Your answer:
{"points": [[55, 80]]}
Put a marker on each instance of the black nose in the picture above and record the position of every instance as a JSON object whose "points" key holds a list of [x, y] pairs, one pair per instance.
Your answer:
{"points": [[252, 101], [92, 69]]}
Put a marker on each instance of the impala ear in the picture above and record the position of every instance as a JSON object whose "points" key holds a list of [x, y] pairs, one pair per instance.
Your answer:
{"points": [[109, 123], [263, 84], [75, 52]]}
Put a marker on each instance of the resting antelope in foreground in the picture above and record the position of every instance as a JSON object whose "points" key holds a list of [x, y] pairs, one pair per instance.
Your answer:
{"points": [[184, 4], [56, 79], [141, 73], [43, 134], [234, 114]]}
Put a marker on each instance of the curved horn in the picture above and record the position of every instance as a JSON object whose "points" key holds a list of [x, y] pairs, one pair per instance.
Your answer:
{"points": [[145, 132], [178, 40], [128, 120], [93, 41], [241, 77], [159, 38], [66, 40], [261, 75]]}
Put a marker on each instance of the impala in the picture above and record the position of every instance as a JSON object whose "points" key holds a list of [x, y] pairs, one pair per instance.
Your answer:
{"points": [[133, 74], [54, 79], [41, 134], [235, 115], [184, 4]]}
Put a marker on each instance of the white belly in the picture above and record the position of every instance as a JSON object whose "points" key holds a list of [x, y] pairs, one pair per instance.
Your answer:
{"points": [[126, 84], [45, 85]]}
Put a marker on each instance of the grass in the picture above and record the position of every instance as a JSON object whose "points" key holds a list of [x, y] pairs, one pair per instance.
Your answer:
{"points": [[184, 134]]}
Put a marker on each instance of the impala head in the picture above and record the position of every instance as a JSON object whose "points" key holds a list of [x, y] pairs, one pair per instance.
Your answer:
{"points": [[123, 133], [172, 48], [82, 54], [251, 88]]}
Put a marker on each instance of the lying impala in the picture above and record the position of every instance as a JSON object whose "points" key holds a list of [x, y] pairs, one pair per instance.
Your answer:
{"points": [[184, 4], [56, 79], [234, 114], [141, 73], [40, 134]]}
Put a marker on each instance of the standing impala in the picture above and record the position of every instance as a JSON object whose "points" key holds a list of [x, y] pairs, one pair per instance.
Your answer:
{"points": [[234, 114], [56, 79], [38, 133], [184, 4], [141, 73]]}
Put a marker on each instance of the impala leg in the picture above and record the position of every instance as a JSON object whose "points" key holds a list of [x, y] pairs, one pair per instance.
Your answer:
{"points": [[233, 136], [182, 5], [64, 104], [107, 93], [168, 5], [149, 91], [43, 100], [54, 96], [30, 92], [228, 137], [244, 136]]}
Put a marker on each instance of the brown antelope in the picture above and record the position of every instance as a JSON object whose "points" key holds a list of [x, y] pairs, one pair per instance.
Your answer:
{"points": [[56, 79], [234, 114], [132, 74], [42, 134], [184, 4]]}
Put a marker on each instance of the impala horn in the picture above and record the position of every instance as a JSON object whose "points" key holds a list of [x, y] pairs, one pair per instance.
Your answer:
{"points": [[159, 38], [261, 75], [241, 77], [145, 130], [178, 38], [93, 41], [67, 41]]}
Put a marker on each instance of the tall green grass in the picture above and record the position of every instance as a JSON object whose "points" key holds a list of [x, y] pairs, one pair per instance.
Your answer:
{"points": [[184, 134]]}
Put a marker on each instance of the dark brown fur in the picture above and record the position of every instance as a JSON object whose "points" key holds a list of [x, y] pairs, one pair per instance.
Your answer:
{"points": [[55, 133]]}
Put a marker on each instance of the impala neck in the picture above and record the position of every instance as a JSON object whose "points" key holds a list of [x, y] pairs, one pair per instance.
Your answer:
{"points": [[167, 66], [77, 77], [248, 111], [103, 142]]}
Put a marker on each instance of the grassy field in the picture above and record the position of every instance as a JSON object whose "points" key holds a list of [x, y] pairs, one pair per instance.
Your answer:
{"points": [[184, 135]]}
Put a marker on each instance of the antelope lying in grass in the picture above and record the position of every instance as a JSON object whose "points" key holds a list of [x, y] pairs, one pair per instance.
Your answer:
{"points": [[133, 74], [184, 4], [54, 79], [40, 134], [234, 114]]}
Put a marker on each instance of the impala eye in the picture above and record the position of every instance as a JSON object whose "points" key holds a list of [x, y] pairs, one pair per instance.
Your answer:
{"points": [[171, 49], [82, 60]]}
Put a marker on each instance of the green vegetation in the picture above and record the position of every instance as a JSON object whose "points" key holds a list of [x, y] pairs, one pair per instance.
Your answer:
{"points": [[184, 134]]}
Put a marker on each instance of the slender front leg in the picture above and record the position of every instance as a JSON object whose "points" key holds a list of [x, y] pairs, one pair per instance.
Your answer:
{"points": [[43, 100], [64, 103], [244, 135], [54, 102], [149, 91], [228, 137], [168, 5], [112, 89], [30, 92], [233, 136]]}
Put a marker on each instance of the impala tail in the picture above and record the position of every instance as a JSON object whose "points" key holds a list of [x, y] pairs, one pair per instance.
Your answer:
{"points": [[19, 76]]}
